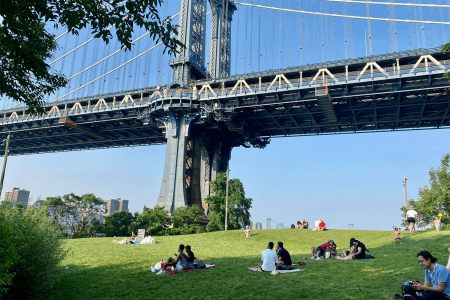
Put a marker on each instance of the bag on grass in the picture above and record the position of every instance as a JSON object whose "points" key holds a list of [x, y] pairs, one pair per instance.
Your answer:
{"points": [[408, 293], [199, 265]]}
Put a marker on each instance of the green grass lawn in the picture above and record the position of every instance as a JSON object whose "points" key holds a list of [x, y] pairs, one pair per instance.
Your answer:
{"points": [[100, 269]]}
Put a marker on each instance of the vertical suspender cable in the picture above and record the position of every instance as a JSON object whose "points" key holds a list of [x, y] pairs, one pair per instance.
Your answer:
{"points": [[408, 25], [334, 36], [259, 39], [287, 35], [307, 35], [369, 28], [280, 23], [422, 28], [444, 36], [251, 36], [417, 26], [237, 42], [314, 32], [435, 43]]}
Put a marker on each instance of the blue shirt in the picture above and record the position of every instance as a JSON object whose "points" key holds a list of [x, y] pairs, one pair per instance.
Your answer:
{"points": [[440, 274]]}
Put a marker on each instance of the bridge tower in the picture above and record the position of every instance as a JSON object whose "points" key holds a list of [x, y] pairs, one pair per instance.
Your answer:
{"points": [[189, 63], [220, 51], [199, 137]]}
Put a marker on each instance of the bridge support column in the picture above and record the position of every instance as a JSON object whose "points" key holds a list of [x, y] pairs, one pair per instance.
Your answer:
{"points": [[193, 160]]}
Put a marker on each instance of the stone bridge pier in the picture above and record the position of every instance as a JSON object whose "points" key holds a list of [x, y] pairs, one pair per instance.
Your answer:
{"points": [[200, 138]]}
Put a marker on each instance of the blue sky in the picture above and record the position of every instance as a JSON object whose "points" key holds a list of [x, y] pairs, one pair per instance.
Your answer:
{"points": [[343, 179]]}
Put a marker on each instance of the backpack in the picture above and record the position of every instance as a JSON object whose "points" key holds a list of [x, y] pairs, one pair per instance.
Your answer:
{"points": [[200, 265], [408, 293]]}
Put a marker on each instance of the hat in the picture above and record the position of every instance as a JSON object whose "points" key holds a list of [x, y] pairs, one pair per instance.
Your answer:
{"points": [[330, 241], [247, 226]]}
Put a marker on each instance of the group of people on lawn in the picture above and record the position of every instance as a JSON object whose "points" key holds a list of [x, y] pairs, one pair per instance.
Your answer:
{"points": [[280, 258], [180, 261], [135, 240]]}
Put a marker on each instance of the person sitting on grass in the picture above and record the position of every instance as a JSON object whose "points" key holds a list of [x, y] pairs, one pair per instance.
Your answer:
{"points": [[331, 251], [357, 252], [299, 224], [436, 274], [190, 258], [133, 237], [269, 259], [319, 252], [304, 224], [322, 226], [177, 263], [397, 236], [284, 258], [247, 232]]}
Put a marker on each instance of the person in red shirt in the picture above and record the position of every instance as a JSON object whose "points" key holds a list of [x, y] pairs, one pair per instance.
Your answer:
{"points": [[322, 226], [319, 252]]}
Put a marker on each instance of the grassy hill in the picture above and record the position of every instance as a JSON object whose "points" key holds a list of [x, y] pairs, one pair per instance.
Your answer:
{"points": [[100, 269]]}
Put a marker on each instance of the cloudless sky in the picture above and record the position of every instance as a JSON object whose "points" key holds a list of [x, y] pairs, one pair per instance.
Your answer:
{"points": [[343, 179]]}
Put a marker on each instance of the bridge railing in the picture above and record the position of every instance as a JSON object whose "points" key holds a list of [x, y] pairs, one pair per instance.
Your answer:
{"points": [[338, 78]]}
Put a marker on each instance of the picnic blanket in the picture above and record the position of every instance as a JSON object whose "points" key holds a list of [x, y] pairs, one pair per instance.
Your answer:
{"points": [[281, 271], [173, 272]]}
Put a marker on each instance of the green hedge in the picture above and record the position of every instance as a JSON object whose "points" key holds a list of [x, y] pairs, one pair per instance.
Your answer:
{"points": [[38, 249]]}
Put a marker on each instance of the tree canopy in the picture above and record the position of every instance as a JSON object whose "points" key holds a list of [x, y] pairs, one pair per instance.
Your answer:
{"points": [[26, 45], [435, 198], [238, 205]]}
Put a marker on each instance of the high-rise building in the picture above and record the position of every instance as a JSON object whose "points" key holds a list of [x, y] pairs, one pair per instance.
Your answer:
{"points": [[113, 205], [256, 225], [17, 196]]}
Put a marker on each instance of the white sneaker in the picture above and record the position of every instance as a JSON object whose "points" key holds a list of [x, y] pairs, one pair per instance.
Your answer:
{"points": [[318, 258], [153, 269], [161, 272], [312, 257]]}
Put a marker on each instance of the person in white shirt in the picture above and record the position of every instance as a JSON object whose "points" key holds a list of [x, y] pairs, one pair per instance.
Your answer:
{"points": [[269, 259], [411, 215]]}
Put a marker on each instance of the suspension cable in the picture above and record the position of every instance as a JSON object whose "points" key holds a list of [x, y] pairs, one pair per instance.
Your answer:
{"points": [[390, 3], [343, 16], [90, 40], [160, 43]]}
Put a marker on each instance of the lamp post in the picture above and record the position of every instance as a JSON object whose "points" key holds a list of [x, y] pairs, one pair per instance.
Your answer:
{"points": [[226, 204], [5, 158], [406, 196]]}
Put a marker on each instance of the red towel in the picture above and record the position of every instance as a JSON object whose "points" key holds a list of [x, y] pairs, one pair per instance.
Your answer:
{"points": [[173, 272]]}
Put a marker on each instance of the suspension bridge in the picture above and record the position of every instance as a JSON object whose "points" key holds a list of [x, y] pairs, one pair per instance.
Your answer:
{"points": [[273, 69]]}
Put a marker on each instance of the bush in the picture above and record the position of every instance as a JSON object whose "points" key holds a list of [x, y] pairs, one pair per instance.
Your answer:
{"points": [[39, 248], [7, 253]]}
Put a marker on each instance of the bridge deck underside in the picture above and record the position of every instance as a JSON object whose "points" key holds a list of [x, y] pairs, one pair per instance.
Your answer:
{"points": [[389, 105], [51, 136]]}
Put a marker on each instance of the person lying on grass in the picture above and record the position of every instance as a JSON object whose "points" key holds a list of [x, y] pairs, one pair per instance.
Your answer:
{"points": [[359, 253], [284, 258], [319, 252], [124, 241], [178, 262], [436, 274], [148, 240], [269, 259]]}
